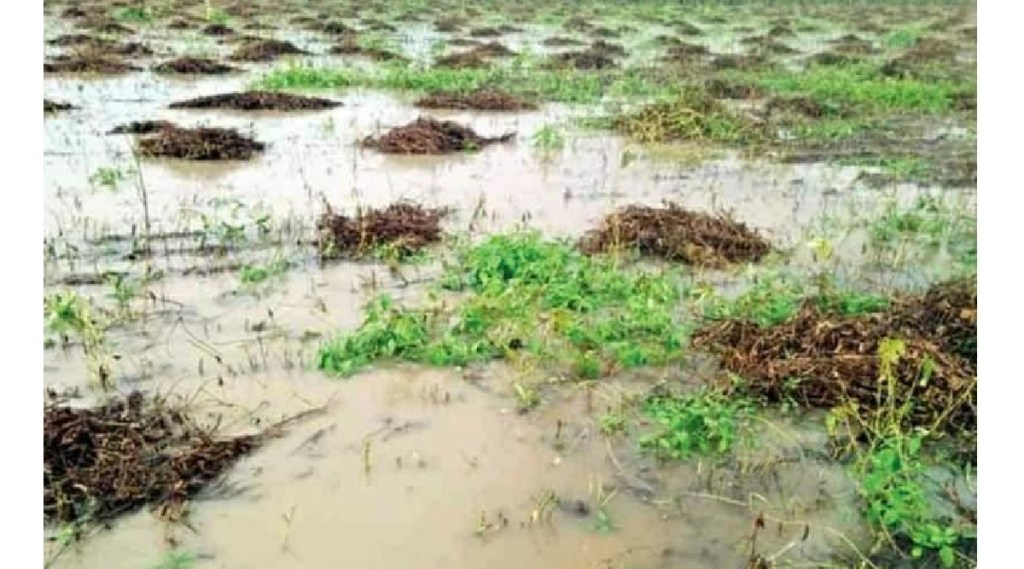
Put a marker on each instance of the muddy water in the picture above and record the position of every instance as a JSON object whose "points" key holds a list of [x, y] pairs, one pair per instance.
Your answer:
{"points": [[407, 466]]}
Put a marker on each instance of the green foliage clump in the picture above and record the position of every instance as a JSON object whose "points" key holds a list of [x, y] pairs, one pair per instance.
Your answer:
{"points": [[707, 421], [527, 299]]}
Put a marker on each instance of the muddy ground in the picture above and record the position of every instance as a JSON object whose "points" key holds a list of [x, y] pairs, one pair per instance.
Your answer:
{"points": [[201, 249]]}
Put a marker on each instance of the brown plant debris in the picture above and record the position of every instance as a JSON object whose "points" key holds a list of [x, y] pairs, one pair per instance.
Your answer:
{"points": [[54, 106], [723, 89], [194, 66], [87, 63], [142, 127], [216, 29], [102, 462], [203, 143], [823, 359], [257, 101], [431, 136], [463, 60], [677, 234], [409, 227], [351, 47], [265, 50], [80, 40], [561, 41], [479, 100]]}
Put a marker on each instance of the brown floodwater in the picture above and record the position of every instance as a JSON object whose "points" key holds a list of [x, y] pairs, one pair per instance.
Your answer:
{"points": [[409, 466]]}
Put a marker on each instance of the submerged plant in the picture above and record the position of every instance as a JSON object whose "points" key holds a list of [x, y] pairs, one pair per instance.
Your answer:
{"points": [[707, 421]]}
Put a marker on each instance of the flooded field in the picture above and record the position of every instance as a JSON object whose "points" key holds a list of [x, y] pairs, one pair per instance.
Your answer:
{"points": [[509, 284]]}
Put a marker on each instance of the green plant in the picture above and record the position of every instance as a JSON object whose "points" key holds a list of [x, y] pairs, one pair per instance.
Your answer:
{"points": [[526, 299], [68, 313], [253, 275], [123, 290], [107, 177], [138, 14], [548, 137], [176, 560], [891, 469], [611, 423], [901, 38], [707, 421], [772, 299]]}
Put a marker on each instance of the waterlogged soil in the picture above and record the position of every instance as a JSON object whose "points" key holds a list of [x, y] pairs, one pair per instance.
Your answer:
{"points": [[409, 466]]}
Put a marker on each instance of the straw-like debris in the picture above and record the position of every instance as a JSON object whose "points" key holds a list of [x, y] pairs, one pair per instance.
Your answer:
{"points": [[406, 226], [204, 143], [142, 127], [823, 359], [584, 60], [194, 66], [479, 100], [350, 46], [103, 462], [55, 106], [431, 136], [257, 101], [216, 29], [723, 89], [677, 234], [265, 50]]}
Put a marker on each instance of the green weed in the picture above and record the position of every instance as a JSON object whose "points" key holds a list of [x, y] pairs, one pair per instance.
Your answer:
{"points": [[926, 226], [176, 560], [902, 38], [707, 421], [67, 313], [253, 275], [771, 300], [137, 14], [107, 177], [548, 137], [525, 299]]}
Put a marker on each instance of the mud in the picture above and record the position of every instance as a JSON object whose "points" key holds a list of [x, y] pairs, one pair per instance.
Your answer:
{"points": [[492, 49], [561, 41], [823, 359], [88, 63], [103, 26], [332, 28], [180, 24], [430, 136], [803, 106], [853, 45], [202, 143], [351, 47], [833, 58], [265, 50], [584, 60], [484, 33], [106, 461], [55, 106], [729, 61], [677, 234], [723, 89], [257, 101], [463, 60], [81, 40], [142, 127], [217, 30], [405, 226], [194, 66]]}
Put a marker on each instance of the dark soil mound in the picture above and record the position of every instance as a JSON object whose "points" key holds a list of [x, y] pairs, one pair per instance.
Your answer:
{"points": [[142, 127], [378, 26], [73, 13], [430, 136], [683, 50], [605, 32], [781, 31], [730, 61], [966, 101], [824, 359], [265, 50], [484, 33], [257, 101], [81, 40], [480, 100], [180, 24], [351, 47], [407, 226], [463, 60], [560, 41], [768, 44], [687, 29], [577, 23], [723, 89], [103, 462], [803, 106], [607, 48], [109, 27], [333, 28], [832, 58], [87, 63], [492, 49], [218, 30], [200, 144], [586, 59], [54, 106], [853, 45], [677, 234], [447, 26], [130, 49], [194, 66]]}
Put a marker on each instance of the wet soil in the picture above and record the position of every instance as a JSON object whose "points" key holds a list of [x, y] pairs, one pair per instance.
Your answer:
{"points": [[561, 41], [194, 66], [55, 106], [351, 47], [218, 30], [81, 40], [677, 234], [142, 127], [257, 101], [405, 226], [723, 89], [431, 136], [586, 59], [265, 50], [202, 143], [106, 461], [479, 100], [463, 60]]}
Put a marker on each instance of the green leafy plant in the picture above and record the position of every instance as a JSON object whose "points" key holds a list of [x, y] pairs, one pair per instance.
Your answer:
{"points": [[107, 177], [548, 137], [707, 421], [137, 14], [67, 313], [176, 560]]}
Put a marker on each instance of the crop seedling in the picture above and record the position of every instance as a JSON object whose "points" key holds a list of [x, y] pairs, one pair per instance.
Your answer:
{"points": [[548, 138], [707, 421], [107, 177], [176, 560], [68, 313]]}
